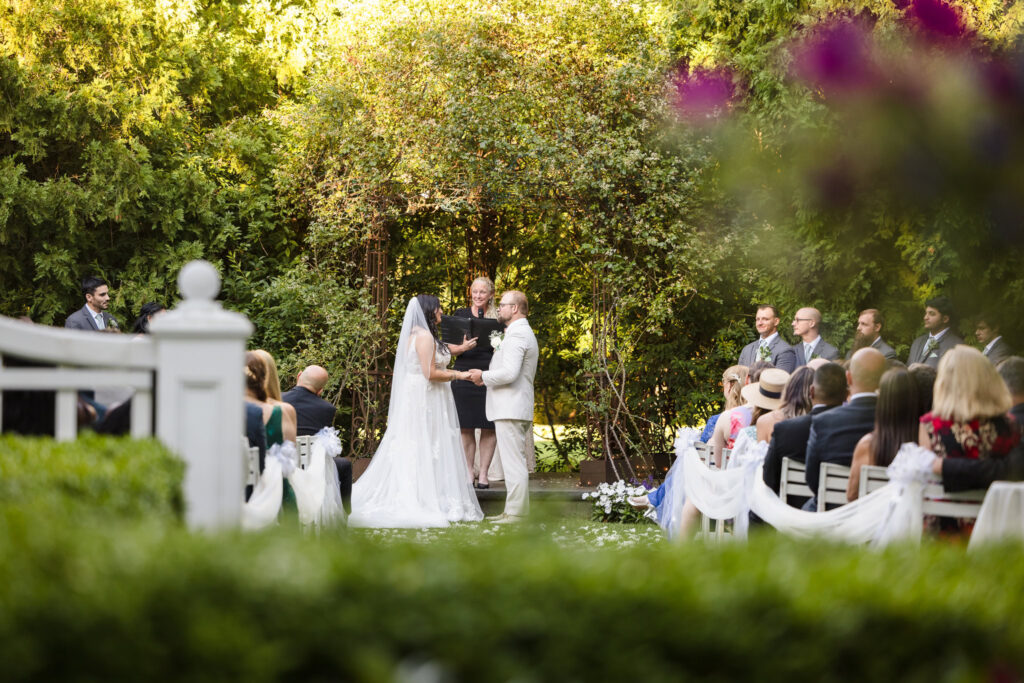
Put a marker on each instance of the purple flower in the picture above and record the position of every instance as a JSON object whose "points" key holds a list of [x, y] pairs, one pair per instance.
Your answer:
{"points": [[704, 93], [936, 18], [836, 58]]}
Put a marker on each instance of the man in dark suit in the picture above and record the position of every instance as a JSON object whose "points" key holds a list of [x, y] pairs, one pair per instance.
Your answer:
{"points": [[939, 336], [789, 438], [93, 316], [313, 414], [771, 346], [810, 345], [986, 331], [869, 333], [835, 433], [1012, 372]]}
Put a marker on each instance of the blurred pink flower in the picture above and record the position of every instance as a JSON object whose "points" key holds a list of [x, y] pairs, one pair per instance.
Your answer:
{"points": [[704, 93], [836, 58], [936, 18]]}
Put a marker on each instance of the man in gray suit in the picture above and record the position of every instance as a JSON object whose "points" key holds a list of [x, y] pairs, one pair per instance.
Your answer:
{"points": [[771, 346], [939, 336], [93, 316], [986, 331], [869, 333], [806, 326]]}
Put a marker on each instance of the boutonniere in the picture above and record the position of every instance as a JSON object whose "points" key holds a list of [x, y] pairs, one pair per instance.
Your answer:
{"points": [[929, 350], [764, 353], [496, 339], [813, 356]]}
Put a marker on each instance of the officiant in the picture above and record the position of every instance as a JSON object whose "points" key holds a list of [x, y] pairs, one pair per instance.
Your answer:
{"points": [[470, 399]]}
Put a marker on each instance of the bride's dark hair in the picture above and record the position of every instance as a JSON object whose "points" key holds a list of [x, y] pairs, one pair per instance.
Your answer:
{"points": [[430, 304]]}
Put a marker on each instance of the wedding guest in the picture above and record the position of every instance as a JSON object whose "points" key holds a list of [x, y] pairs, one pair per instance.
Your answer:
{"points": [[93, 316], [765, 396], [733, 380], [969, 416], [272, 388], [924, 377], [807, 326], [834, 434], [796, 401], [1012, 372], [146, 314], [313, 413], [939, 336], [789, 438], [470, 399], [896, 423], [994, 347], [277, 432], [730, 422], [869, 333], [770, 346], [256, 435]]}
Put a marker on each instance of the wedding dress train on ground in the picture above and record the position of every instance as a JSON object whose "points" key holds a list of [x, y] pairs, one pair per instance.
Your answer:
{"points": [[418, 476]]}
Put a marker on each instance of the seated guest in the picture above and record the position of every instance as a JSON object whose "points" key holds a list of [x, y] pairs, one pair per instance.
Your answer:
{"points": [[796, 401], [256, 435], [770, 346], [273, 415], [969, 416], [939, 336], [272, 387], [146, 314], [896, 420], [765, 396], [1012, 372], [313, 413], [994, 347], [869, 333], [730, 422], [789, 437], [733, 380], [835, 433], [806, 326], [924, 377]]}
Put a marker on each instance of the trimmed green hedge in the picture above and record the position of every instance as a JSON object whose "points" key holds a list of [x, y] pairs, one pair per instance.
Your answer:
{"points": [[153, 602], [94, 475]]}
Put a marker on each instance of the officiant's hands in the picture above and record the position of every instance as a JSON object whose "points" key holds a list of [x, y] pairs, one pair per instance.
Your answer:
{"points": [[466, 345], [476, 377]]}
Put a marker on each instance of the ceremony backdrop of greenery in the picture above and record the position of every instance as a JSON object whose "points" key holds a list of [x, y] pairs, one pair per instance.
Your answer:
{"points": [[539, 142]]}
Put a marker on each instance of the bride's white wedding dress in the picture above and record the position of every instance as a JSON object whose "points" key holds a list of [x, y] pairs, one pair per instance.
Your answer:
{"points": [[418, 476]]}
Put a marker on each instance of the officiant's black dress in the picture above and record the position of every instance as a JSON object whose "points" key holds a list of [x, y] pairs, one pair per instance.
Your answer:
{"points": [[470, 400]]}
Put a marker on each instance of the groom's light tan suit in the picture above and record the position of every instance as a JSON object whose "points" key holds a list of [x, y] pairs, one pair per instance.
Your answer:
{"points": [[509, 384]]}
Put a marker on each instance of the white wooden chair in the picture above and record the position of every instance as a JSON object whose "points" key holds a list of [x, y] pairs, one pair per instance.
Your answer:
{"points": [[304, 446], [793, 481], [937, 501], [251, 457], [832, 482]]}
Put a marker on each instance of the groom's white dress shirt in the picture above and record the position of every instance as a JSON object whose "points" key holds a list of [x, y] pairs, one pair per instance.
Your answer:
{"points": [[509, 380]]}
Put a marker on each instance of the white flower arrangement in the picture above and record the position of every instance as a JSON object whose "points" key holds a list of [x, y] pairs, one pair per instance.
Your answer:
{"points": [[610, 503], [496, 339]]}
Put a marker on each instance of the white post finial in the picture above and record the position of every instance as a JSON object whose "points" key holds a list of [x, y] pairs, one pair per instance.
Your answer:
{"points": [[200, 398]]}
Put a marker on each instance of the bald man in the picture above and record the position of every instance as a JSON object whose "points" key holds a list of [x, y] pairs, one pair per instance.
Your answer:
{"points": [[807, 326], [835, 433], [313, 414]]}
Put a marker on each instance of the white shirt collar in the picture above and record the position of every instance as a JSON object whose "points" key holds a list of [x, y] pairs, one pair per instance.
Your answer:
{"points": [[991, 344], [767, 341], [813, 344], [938, 336], [878, 340], [515, 323], [862, 394]]}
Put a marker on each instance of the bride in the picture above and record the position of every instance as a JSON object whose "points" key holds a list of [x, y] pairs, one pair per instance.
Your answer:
{"points": [[418, 477]]}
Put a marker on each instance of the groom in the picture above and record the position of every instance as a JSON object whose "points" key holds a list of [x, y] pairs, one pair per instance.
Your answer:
{"points": [[509, 384]]}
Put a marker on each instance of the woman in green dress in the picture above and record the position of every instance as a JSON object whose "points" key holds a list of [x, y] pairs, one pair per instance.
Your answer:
{"points": [[277, 429]]}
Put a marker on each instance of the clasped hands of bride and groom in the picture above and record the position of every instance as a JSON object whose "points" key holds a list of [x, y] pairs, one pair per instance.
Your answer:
{"points": [[418, 476]]}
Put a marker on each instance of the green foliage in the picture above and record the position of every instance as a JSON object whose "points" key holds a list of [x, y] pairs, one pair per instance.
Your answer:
{"points": [[90, 479], [277, 606]]}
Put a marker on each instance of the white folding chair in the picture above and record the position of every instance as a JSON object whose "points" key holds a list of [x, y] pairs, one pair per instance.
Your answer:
{"points": [[251, 457], [937, 501], [833, 480], [793, 481], [304, 446]]}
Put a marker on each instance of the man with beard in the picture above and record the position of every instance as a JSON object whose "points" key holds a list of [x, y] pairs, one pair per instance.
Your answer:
{"points": [[869, 333]]}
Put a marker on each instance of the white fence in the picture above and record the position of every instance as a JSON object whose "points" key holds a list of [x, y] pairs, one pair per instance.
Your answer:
{"points": [[190, 369]]}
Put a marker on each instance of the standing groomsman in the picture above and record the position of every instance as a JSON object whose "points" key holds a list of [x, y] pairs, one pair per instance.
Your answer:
{"points": [[93, 316], [806, 325], [771, 346], [939, 337], [869, 333], [986, 331]]}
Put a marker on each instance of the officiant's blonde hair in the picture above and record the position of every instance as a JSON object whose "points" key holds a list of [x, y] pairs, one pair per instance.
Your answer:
{"points": [[492, 311]]}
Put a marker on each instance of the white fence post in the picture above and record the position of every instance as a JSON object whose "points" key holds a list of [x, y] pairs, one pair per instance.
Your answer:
{"points": [[200, 349]]}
